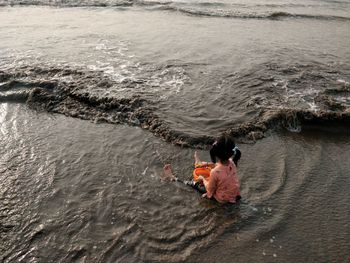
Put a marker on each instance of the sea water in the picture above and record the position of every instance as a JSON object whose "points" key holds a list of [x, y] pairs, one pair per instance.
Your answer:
{"points": [[91, 91]]}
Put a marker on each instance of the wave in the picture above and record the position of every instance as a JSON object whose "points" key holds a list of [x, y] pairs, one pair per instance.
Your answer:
{"points": [[67, 3], [290, 119], [49, 89], [241, 15], [201, 9]]}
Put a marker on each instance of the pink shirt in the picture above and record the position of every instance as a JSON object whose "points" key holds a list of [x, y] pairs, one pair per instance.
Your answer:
{"points": [[223, 183]]}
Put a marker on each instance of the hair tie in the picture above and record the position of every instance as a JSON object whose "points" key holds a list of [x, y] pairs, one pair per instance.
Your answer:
{"points": [[215, 143], [235, 150]]}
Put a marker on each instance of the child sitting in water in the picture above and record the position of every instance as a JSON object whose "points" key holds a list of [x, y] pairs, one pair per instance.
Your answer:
{"points": [[223, 184]]}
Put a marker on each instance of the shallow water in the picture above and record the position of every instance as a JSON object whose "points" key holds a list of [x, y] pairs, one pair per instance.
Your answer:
{"points": [[73, 190], [134, 79], [217, 73]]}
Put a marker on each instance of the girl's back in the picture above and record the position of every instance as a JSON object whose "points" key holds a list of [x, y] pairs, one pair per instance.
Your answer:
{"points": [[224, 184]]}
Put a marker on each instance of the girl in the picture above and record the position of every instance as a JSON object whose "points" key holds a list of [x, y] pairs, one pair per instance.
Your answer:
{"points": [[222, 184]]}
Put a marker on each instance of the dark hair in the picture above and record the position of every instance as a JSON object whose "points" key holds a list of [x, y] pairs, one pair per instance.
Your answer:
{"points": [[224, 148]]}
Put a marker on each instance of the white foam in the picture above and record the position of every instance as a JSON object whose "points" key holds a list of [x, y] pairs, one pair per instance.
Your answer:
{"points": [[341, 81], [301, 98]]}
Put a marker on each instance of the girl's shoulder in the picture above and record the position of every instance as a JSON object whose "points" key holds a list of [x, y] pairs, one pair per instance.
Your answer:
{"points": [[216, 169], [224, 169]]}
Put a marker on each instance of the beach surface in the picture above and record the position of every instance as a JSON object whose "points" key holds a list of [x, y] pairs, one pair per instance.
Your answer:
{"points": [[96, 96]]}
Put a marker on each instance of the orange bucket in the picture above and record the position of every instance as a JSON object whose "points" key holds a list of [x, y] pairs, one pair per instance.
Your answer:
{"points": [[203, 170]]}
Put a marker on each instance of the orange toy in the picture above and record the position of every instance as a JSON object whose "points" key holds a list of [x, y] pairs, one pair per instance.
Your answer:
{"points": [[202, 169]]}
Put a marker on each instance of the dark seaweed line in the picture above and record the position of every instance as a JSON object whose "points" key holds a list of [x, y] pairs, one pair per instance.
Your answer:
{"points": [[127, 111], [168, 6], [51, 95], [270, 16], [125, 3]]}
